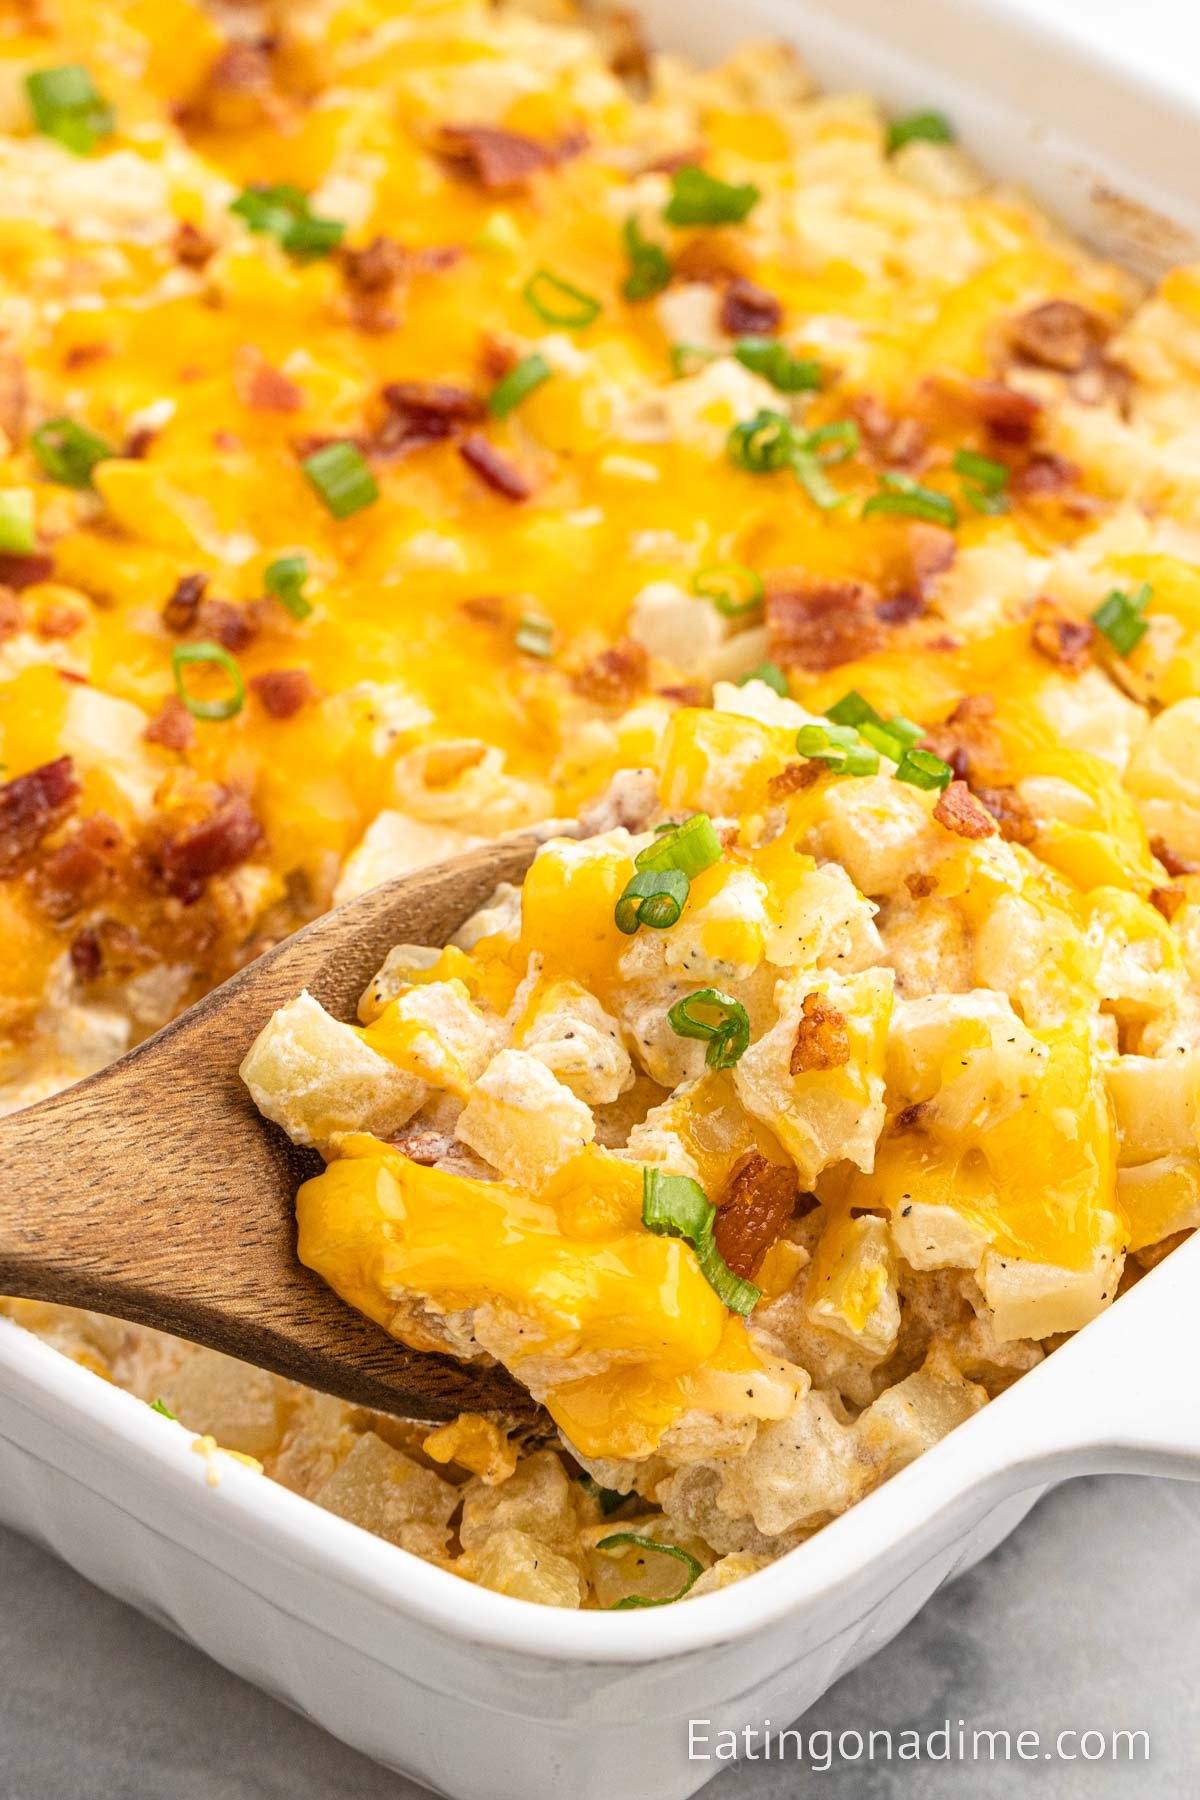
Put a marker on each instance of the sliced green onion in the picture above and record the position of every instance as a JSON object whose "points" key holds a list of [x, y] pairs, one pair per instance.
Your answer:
{"points": [[810, 473], [67, 108], [185, 654], [762, 444], [901, 495], [853, 710], [691, 847], [69, 452], [160, 1406], [840, 747], [928, 127], [284, 212], [693, 1568], [556, 302], [518, 384], [684, 354], [1119, 617], [769, 672], [17, 531], [922, 769], [834, 442], [891, 736], [735, 590], [655, 897], [342, 477], [775, 363], [649, 265], [285, 579], [607, 1499], [769, 441], [535, 635], [984, 481], [698, 198], [728, 1036], [677, 1206]]}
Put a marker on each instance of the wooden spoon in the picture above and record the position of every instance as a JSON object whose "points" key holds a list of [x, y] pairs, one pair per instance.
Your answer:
{"points": [[155, 1191]]}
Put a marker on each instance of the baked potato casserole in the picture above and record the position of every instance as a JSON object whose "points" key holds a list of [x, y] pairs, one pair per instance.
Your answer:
{"points": [[426, 420]]}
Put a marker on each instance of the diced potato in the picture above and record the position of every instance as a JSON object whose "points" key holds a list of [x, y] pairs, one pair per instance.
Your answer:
{"points": [[539, 1498], [579, 1043], [1160, 1198], [523, 1121], [315, 1077], [1164, 777], [879, 831], [821, 918], [798, 1472], [243, 1408], [915, 1414], [512, 1562], [1038, 1300], [474, 1443], [393, 844], [434, 1034], [1157, 1103], [389, 1494], [852, 1284], [967, 1056], [936, 1237], [678, 627], [721, 936]]}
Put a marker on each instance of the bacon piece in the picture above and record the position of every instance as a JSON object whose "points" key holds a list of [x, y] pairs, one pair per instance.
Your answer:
{"points": [[920, 886], [19, 572], [172, 726], [283, 691], [191, 247], [1167, 901], [713, 257], [31, 805], [755, 1205], [793, 777], [1065, 642], [960, 812], [686, 693], [372, 276], [1004, 411], [179, 613], [264, 388], [968, 741], [498, 160], [424, 412], [494, 470], [234, 626], [615, 676], [819, 624], [898, 443], [748, 310], [1012, 815], [87, 958], [12, 615], [59, 620], [1060, 334], [76, 873], [822, 1040], [212, 846], [1045, 476], [1171, 860]]}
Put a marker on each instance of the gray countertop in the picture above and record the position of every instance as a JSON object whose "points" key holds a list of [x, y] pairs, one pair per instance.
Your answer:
{"points": [[1088, 1619]]}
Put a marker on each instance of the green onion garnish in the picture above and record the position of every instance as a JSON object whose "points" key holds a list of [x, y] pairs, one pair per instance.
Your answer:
{"points": [[341, 476], [902, 495], [769, 441], [69, 452], [556, 302], [1119, 617], [891, 736], [160, 1406], [649, 265], [284, 212], [67, 108], [929, 127], [691, 847], [677, 1206], [984, 481], [769, 672], [851, 709], [922, 769], [728, 1036], [735, 590], [693, 1568], [535, 635], [838, 746], [17, 533], [607, 1499], [518, 384], [656, 897], [775, 363], [698, 198], [683, 355], [762, 444], [285, 579], [183, 655]]}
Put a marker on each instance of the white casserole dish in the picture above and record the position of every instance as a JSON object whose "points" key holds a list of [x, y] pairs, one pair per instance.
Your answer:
{"points": [[482, 1696]]}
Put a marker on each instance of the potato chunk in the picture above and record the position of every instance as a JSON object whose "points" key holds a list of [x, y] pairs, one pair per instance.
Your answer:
{"points": [[523, 1121], [388, 1493], [316, 1077]]}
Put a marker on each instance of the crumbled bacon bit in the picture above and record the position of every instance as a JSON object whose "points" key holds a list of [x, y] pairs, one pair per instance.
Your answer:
{"points": [[793, 776], [212, 846], [86, 956], [711, 256], [968, 741], [264, 388], [76, 873], [31, 805], [622, 44], [822, 1040], [685, 693], [1065, 642], [12, 615], [494, 470], [137, 442], [820, 624], [424, 412], [498, 160], [1167, 901], [960, 812], [1011, 813], [1060, 334], [902, 607], [172, 726], [755, 1205], [486, 609], [920, 886], [179, 613], [191, 247], [60, 620], [748, 310], [20, 572], [898, 443], [1045, 476], [1171, 860], [496, 357], [376, 267], [283, 691], [1007, 413], [615, 676]]}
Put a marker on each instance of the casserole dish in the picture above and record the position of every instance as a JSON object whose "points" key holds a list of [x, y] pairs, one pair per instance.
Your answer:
{"points": [[382, 1651]]}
